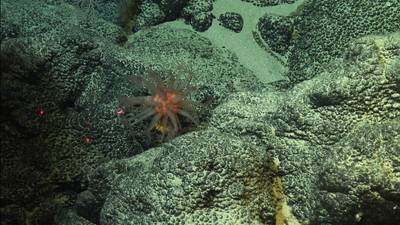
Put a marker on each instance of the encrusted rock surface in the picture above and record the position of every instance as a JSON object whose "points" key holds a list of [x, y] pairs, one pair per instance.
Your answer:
{"points": [[143, 14], [277, 32], [344, 118], [232, 21], [305, 139], [323, 151], [198, 14], [262, 3], [325, 28], [204, 177], [62, 74]]}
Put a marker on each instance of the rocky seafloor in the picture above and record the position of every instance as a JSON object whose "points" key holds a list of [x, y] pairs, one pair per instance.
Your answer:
{"points": [[321, 147]]}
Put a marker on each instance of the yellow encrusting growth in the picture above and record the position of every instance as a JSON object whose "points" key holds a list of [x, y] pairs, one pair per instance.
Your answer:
{"points": [[279, 198], [283, 214]]}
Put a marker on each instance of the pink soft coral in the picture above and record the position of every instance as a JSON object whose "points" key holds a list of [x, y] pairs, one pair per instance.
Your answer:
{"points": [[166, 104]]}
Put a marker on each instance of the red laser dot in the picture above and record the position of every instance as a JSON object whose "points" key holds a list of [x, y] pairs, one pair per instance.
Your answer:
{"points": [[120, 112], [40, 112], [88, 139]]}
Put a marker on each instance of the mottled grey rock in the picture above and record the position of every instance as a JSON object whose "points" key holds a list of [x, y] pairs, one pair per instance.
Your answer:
{"points": [[308, 133], [363, 88], [262, 3], [361, 178], [312, 127], [92, 9], [45, 66], [150, 15], [232, 21], [201, 178], [166, 48], [325, 28], [198, 14], [61, 78], [88, 206], [277, 32], [150, 12], [69, 217], [326, 147], [195, 12]]}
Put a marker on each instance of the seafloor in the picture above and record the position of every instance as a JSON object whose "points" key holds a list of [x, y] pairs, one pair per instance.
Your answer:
{"points": [[203, 112]]}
